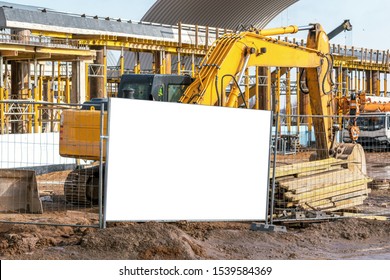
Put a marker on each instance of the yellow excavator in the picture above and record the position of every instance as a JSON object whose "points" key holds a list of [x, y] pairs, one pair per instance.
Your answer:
{"points": [[223, 67]]}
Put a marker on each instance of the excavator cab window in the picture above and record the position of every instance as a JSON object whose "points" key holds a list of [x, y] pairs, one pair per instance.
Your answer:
{"points": [[136, 91], [175, 92]]}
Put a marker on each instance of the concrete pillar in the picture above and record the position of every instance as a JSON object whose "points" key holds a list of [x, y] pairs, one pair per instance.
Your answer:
{"points": [[376, 83], [19, 89], [78, 82], [19, 78], [158, 62], [168, 63], [369, 82]]}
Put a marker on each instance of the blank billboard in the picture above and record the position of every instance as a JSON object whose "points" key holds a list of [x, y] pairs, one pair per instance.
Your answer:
{"points": [[170, 162]]}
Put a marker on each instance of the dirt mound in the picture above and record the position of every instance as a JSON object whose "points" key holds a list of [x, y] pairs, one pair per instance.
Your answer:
{"points": [[144, 241], [340, 239], [19, 240], [202, 230]]}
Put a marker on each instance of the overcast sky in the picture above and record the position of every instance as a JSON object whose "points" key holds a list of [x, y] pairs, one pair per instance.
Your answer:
{"points": [[369, 29]]}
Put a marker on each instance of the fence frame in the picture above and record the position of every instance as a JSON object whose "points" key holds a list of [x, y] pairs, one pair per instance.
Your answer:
{"points": [[362, 210], [31, 219], [103, 142]]}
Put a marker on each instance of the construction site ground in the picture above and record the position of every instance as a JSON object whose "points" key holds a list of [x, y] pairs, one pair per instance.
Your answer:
{"points": [[350, 238]]}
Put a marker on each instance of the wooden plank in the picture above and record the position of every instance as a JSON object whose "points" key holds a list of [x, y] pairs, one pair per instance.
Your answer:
{"points": [[322, 185], [349, 203], [329, 191], [333, 206], [323, 202], [349, 195], [364, 216], [310, 173], [310, 166], [320, 181], [313, 173]]}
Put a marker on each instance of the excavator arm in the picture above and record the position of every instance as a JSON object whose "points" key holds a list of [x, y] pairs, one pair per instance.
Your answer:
{"points": [[232, 54]]}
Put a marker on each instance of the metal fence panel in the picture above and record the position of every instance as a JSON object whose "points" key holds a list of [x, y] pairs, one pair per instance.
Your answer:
{"points": [[37, 184], [34, 176], [353, 181]]}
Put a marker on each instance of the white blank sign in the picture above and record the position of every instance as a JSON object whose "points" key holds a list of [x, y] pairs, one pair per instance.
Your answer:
{"points": [[170, 161]]}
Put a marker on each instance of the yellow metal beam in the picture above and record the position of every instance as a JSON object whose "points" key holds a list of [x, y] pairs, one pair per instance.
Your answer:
{"points": [[288, 101], [29, 52], [105, 72], [72, 52], [6, 53], [51, 34], [2, 110], [59, 82], [17, 48], [29, 56], [122, 63], [298, 92], [247, 88]]}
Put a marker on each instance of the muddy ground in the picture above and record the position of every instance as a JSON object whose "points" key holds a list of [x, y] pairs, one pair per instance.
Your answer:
{"points": [[340, 239], [350, 238]]}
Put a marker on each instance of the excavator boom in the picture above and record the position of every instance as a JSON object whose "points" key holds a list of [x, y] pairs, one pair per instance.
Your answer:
{"points": [[228, 58]]}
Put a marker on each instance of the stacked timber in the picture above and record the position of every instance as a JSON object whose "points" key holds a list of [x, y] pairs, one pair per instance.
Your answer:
{"points": [[324, 185]]}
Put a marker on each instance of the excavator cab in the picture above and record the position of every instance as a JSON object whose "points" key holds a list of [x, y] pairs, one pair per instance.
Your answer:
{"points": [[156, 87]]}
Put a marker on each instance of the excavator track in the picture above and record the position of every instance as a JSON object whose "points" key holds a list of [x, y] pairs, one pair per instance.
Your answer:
{"points": [[82, 186]]}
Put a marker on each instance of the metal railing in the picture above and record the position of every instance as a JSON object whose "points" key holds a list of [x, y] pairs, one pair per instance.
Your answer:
{"points": [[41, 41]]}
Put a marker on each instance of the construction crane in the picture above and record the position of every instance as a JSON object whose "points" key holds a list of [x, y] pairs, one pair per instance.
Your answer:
{"points": [[372, 121], [224, 65]]}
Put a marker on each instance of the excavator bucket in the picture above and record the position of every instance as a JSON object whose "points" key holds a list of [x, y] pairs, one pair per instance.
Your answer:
{"points": [[19, 192]]}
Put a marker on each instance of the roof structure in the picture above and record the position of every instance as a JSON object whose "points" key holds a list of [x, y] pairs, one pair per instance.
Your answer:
{"points": [[230, 14], [47, 20], [20, 6]]}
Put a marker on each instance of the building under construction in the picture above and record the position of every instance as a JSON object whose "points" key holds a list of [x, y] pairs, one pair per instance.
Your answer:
{"points": [[58, 70], [48, 56]]}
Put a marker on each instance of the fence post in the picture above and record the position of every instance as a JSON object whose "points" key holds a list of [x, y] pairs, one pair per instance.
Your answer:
{"points": [[273, 169], [101, 166], [269, 211]]}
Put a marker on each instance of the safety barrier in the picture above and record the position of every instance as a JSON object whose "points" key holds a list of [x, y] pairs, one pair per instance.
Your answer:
{"points": [[308, 184], [38, 185]]}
